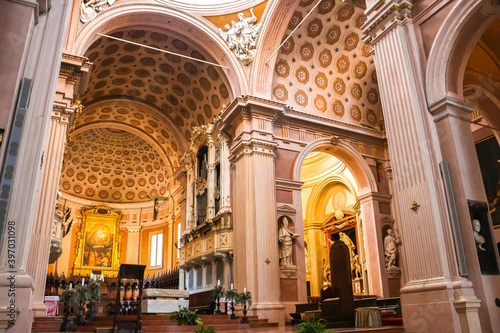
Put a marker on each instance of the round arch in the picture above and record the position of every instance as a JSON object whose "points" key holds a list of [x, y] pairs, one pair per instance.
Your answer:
{"points": [[365, 180], [127, 128], [318, 199], [274, 25], [129, 14], [453, 45]]}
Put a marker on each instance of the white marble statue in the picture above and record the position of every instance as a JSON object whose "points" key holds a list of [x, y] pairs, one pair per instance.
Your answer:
{"points": [[356, 266], [285, 237], [391, 242], [241, 36], [90, 8], [476, 225]]}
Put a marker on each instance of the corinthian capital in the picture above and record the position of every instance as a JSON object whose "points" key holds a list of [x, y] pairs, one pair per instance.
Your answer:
{"points": [[382, 16]]}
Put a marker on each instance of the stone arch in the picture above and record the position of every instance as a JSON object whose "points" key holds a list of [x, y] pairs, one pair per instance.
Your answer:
{"points": [[273, 30], [318, 198], [368, 198], [130, 14], [453, 45], [365, 180]]}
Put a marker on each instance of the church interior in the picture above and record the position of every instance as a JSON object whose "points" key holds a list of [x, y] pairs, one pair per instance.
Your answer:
{"points": [[289, 161]]}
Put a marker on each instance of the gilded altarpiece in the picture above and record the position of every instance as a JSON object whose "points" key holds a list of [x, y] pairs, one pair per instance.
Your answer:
{"points": [[98, 244]]}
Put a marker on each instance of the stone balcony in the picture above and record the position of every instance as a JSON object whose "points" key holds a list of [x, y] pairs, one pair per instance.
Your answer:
{"points": [[206, 243]]}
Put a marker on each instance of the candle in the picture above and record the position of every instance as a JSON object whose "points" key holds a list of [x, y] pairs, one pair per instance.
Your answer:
{"points": [[232, 286], [83, 281], [70, 286], [245, 290], [102, 277], [218, 282]]}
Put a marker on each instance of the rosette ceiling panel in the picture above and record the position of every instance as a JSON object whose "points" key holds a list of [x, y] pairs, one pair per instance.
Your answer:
{"points": [[325, 68], [139, 111]]}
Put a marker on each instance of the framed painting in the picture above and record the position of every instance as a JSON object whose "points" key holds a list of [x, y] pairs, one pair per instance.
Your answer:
{"points": [[98, 244]]}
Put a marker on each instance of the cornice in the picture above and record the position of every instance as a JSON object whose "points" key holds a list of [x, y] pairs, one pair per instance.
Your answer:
{"points": [[450, 107], [384, 15]]}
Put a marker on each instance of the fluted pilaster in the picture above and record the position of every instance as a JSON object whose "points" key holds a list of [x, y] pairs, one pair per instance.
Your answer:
{"points": [[49, 184]]}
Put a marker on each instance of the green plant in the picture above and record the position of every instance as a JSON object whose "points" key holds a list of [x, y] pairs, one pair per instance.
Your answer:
{"points": [[185, 317], [315, 326], [245, 298], [218, 292], [93, 291], [71, 296], [232, 295], [202, 329]]}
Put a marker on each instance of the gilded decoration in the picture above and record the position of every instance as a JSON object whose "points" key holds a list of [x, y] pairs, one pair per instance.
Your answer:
{"points": [[98, 244]]}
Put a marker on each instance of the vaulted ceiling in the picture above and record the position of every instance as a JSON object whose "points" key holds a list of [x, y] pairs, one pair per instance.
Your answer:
{"points": [[325, 68], [139, 111]]}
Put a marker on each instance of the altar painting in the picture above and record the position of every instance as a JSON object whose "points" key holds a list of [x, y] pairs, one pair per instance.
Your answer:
{"points": [[98, 251]]}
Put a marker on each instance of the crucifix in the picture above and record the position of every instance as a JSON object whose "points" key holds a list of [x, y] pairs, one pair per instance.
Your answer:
{"points": [[156, 206]]}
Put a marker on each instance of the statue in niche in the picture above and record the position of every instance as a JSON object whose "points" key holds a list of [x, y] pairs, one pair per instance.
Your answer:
{"points": [[241, 36], [356, 266], [391, 242], [285, 237], [326, 274], [90, 8], [476, 225]]}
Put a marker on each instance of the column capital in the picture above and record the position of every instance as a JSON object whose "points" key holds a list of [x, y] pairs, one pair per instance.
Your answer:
{"points": [[451, 107], [383, 16], [133, 229], [382, 197]]}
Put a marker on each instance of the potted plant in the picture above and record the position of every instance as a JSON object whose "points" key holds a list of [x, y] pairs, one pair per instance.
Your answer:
{"points": [[80, 290], [185, 317], [91, 294], [245, 298], [68, 298], [312, 327], [232, 296], [217, 293]]}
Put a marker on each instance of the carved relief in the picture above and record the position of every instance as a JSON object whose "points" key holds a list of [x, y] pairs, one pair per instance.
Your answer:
{"points": [[90, 8], [241, 37]]}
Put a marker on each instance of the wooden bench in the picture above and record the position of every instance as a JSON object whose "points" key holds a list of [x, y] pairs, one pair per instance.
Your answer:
{"points": [[388, 304], [202, 302]]}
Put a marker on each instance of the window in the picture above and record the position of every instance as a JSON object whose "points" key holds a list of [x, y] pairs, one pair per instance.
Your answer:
{"points": [[156, 251]]}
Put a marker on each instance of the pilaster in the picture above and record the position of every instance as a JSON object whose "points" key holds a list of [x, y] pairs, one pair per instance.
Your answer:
{"points": [[430, 263], [133, 245], [256, 259]]}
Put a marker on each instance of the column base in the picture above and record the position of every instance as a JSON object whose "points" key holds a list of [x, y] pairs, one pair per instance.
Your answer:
{"points": [[39, 309], [439, 306], [23, 317], [275, 312]]}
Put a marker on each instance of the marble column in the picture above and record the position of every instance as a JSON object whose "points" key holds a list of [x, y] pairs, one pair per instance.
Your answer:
{"points": [[211, 180], [373, 243], [41, 63], [256, 256], [133, 245], [225, 170], [315, 242], [49, 185], [432, 283]]}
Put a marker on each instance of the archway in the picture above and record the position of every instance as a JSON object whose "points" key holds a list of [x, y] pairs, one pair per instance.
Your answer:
{"points": [[340, 198], [456, 94]]}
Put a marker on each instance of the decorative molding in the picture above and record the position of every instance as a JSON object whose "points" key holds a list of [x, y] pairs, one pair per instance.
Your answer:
{"points": [[383, 16]]}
